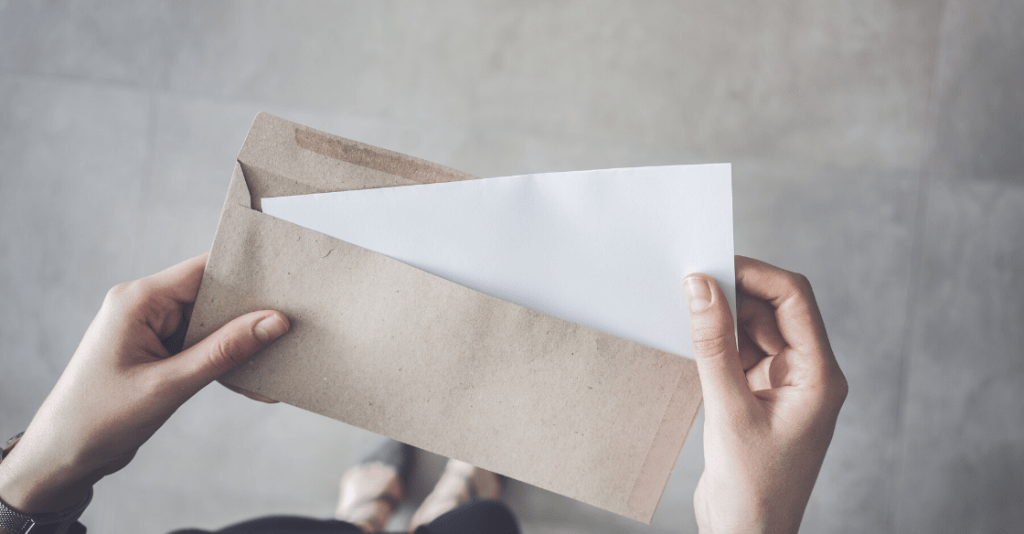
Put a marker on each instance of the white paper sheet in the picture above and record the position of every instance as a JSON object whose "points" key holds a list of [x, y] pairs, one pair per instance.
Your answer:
{"points": [[607, 249]]}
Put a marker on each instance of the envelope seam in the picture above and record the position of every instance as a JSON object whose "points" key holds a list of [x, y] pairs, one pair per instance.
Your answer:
{"points": [[647, 459]]}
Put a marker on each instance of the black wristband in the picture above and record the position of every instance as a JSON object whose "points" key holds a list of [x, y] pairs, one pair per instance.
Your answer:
{"points": [[45, 523], [10, 446]]}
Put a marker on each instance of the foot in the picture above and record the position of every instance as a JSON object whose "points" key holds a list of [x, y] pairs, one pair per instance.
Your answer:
{"points": [[372, 490], [459, 484]]}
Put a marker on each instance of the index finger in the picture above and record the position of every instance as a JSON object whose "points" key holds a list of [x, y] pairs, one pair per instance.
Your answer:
{"points": [[796, 310], [180, 282]]}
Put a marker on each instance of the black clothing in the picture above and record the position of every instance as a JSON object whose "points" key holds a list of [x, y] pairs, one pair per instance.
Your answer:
{"points": [[478, 517]]}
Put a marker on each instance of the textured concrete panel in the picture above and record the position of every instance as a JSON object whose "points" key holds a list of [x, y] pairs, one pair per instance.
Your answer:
{"points": [[72, 158], [840, 82], [963, 440], [980, 92]]}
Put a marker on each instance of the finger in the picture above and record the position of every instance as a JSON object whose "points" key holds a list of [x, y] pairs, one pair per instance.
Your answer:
{"points": [[790, 294], [247, 393], [757, 323], [173, 327], [174, 341], [180, 282], [224, 349], [750, 354], [160, 302], [759, 376], [714, 343]]}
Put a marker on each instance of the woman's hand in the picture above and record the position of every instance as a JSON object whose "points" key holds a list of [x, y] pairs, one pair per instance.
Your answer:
{"points": [[770, 407], [121, 385]]}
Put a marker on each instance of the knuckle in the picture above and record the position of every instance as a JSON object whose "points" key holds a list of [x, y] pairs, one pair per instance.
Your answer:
{"points": [[832, 391], [710, 341], [802, 285], [842, 388], [118, 293], [226, 351], [223, 352], [132, 293], [123, 298]]}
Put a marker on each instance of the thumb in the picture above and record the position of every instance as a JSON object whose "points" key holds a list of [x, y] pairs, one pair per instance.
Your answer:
{"points": [[714, 343], [229, 346]]}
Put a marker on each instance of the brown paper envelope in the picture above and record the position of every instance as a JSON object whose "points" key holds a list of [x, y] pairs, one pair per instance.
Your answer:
{"points": [[400, 352]]}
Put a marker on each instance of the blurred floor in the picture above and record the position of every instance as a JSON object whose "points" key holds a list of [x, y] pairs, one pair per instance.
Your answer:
{"points": [[878, 147]]}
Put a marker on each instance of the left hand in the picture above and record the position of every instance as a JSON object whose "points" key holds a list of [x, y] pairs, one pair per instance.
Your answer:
{"points": [[121, 385]]}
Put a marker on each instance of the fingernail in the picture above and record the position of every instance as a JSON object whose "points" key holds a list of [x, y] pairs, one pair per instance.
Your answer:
{"points": [[270, 328], [698, 292]]}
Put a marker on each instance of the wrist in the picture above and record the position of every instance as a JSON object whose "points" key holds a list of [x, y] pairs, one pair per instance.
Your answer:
{"points": [[738, 509], [33, 499], [735, 525], [60, 522], [36, 488], [754, 524]]}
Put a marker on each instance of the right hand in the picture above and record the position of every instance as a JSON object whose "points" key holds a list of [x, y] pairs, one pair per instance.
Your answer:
{"points": [[770, 407]]}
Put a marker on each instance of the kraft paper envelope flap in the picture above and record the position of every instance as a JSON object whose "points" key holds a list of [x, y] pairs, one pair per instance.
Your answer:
{"points": [[400, 352]]}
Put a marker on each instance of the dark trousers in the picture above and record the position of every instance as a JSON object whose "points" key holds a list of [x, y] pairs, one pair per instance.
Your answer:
{"points": [[478, 517]]}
